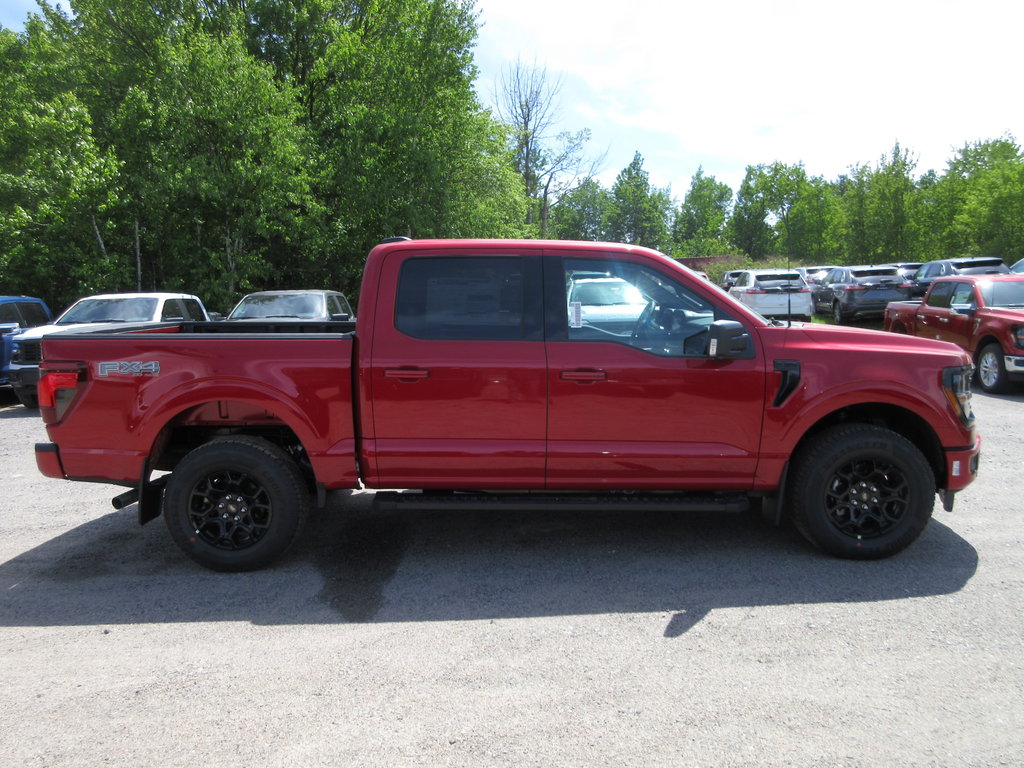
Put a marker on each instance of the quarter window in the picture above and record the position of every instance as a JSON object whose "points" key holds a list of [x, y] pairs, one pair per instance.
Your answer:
{"points": [[470, 298]]}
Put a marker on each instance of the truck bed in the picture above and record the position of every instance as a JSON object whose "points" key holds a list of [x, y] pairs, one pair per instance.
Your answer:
{"points": [[163, 388]]}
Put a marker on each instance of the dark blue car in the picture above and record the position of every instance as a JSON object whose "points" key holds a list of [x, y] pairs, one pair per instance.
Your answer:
{"points": [[18, 313]]}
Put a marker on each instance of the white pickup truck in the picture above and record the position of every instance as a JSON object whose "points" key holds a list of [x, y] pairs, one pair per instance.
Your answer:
{"points": [[97, 310]]}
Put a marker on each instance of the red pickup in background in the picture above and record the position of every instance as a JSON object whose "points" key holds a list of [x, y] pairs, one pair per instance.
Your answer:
{"points": [[983, 314]]}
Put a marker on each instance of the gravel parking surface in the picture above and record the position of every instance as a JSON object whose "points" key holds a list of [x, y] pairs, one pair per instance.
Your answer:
{"points": [[463, 639]]}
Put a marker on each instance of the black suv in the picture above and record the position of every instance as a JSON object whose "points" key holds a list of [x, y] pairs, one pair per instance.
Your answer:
{"points": [[975, 265], [849, 293]]}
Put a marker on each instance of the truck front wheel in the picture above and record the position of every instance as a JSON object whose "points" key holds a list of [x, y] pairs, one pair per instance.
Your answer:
{"points": [[27, 396], [992, 370], [860, 491], [236, 503]]}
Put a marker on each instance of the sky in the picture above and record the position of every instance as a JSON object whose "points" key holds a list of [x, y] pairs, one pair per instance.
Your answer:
{"points": [[723, 84]]}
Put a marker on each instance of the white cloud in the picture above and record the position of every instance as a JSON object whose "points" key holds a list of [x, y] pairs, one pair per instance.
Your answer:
{"points": [[736, 83]]}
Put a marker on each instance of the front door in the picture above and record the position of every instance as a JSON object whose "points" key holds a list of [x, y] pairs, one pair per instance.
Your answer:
{"points": [[635, 399]]}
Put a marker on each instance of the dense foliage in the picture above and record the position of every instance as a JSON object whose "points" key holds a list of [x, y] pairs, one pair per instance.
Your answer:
{"points": [[222, 146], [217, 146]]}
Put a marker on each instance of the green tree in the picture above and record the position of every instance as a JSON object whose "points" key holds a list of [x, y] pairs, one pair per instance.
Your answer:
{"points": [[583, 213], [699, 225], [942, 198], [640, 212], [57, 184], [815, 223], [749, 227], [992, 216], [232, 181], [891, 209]]}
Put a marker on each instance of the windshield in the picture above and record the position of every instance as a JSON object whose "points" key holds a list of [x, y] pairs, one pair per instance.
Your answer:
{"points": [[1008, 294], [297, 305], [130, 309], [606, 292]]}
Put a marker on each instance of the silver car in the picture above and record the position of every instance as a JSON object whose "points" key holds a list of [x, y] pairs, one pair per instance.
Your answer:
{"points": [[774, 293]]}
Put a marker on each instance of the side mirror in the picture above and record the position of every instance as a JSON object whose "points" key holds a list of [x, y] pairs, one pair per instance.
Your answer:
{"points": [[964, 309], [729, 340], [341, 316]]}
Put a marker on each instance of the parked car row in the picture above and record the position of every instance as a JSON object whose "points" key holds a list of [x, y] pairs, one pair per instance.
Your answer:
{"points": [[847, 293], [25, 321]]}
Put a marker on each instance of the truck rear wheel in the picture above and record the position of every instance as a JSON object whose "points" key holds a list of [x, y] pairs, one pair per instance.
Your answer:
{"points": [[992, 370], [861, 492], [236, 503]]}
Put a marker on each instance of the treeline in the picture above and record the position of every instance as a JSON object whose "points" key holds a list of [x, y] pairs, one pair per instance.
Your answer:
{"points": [[222, 146], [880, 213]]}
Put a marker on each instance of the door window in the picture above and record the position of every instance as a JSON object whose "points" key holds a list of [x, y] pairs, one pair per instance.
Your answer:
{"points": [[940, 295], [635, 305], [963, 294]]}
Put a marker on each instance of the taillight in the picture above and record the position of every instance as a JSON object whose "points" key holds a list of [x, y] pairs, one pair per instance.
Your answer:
{"points": [[854, 288], [56, 390], [755, 290]]}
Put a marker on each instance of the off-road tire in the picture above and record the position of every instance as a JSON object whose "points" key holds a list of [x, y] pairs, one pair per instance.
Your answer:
{"points": [[236, 503], [860, 491]]}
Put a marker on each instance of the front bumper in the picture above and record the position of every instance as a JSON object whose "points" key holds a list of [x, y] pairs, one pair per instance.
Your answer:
{"points": [[962, 466], [1014, 364], [24, 377]]}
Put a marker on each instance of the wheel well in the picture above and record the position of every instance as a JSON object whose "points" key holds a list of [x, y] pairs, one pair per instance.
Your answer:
{"points": [[982, 343], [899, 420], [199, 425]]}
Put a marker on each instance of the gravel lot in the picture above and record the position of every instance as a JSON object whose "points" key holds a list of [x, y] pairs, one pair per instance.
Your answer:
{"points": [[520, 640]]}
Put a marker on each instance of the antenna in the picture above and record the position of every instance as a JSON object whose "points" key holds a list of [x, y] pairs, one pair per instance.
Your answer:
{"points": [[789, 292]]}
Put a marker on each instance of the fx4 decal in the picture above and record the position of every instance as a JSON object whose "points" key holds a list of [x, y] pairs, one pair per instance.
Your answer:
{"points": [[129, 368]]}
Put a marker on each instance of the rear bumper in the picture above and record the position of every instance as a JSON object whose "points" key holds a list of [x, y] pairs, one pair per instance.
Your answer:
{"points": [[48, 460]]}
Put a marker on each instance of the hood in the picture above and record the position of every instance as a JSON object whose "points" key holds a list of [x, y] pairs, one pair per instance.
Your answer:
{"points": [[1003, 313], [34, 334], [839, 336]]}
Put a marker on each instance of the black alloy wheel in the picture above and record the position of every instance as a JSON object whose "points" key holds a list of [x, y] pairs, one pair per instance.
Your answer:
{"points": [[236, 504]]}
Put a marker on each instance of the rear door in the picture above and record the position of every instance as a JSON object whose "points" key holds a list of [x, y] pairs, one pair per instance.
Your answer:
{"points": [[933, 314], [645, 407], [456, 389]]}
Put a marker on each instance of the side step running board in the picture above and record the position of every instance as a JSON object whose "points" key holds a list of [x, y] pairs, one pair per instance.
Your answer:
{"points": [[577, 502]]}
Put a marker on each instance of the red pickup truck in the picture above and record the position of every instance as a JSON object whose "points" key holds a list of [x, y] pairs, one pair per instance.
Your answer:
{"points": [[475, 375], [983, 314]]}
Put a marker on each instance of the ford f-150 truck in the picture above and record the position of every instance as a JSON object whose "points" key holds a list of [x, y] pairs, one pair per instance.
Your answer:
{"points": [[983, 314], [474, 377]]}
